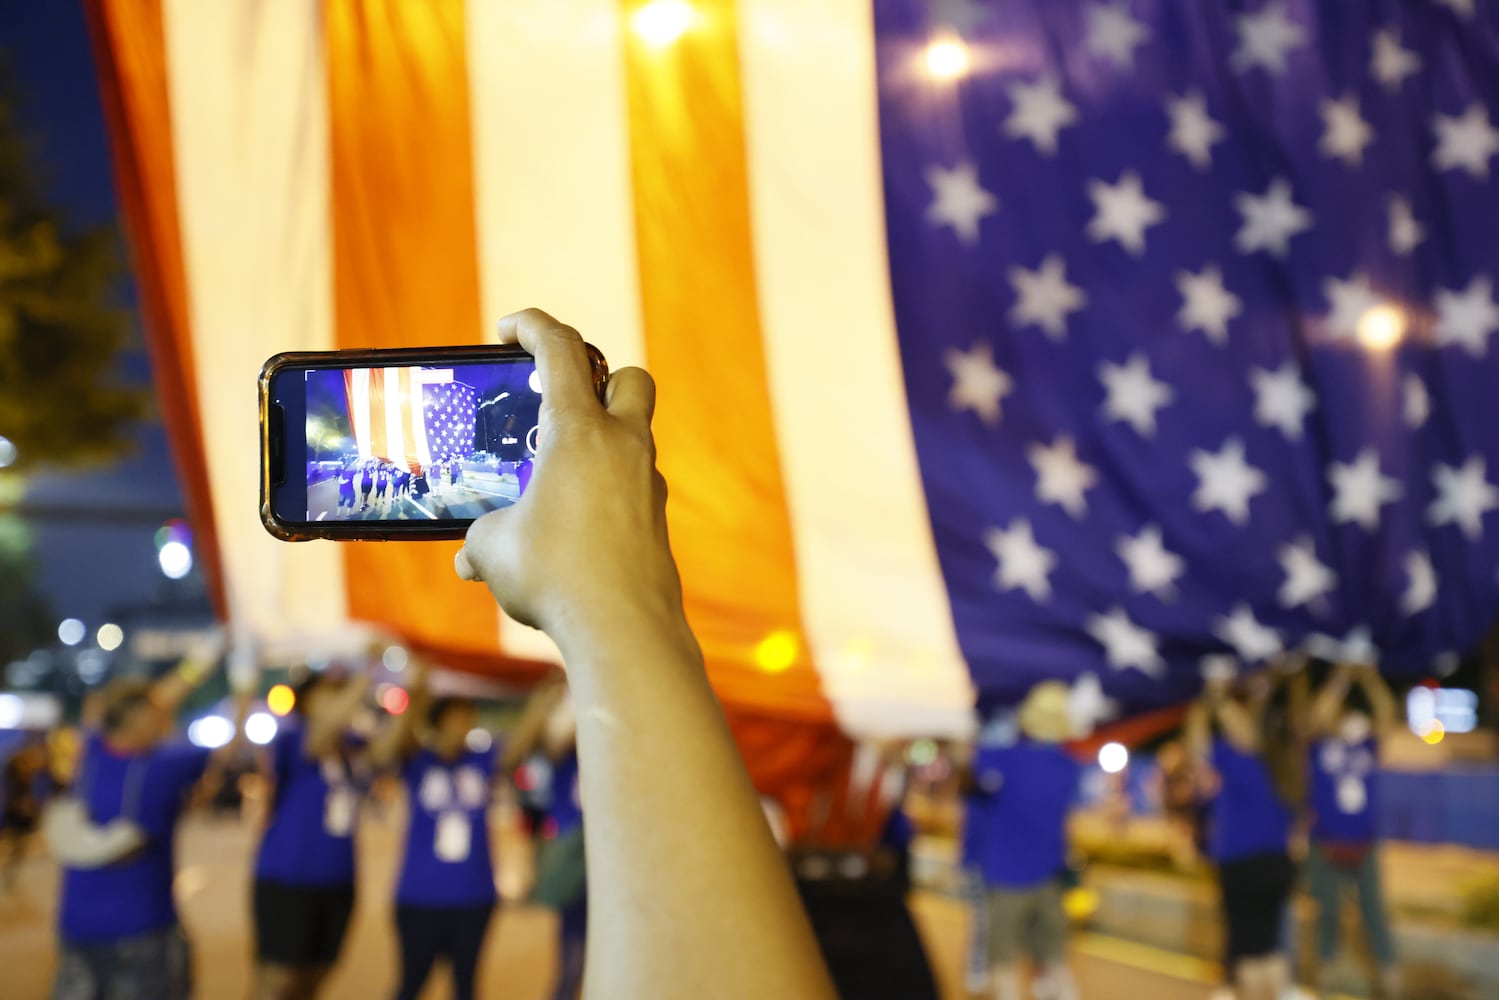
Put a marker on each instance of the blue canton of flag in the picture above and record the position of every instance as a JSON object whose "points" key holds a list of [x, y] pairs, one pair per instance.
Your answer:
{"points": [[1196, 305], [449, 413]]}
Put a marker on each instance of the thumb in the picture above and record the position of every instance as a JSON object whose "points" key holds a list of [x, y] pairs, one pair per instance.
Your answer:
{"points": [[480, 545]]}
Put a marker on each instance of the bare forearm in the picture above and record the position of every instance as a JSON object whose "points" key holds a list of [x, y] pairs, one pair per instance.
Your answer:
{"points": [[687, 890]]}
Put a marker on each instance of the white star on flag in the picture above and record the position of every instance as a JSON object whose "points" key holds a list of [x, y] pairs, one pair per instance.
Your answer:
{"points": [[1132, 394], [1206, 304], [1405, 233], [961, 16], [1044, 297], [1114, 35], [977, 384], [1421, 588], [1126, 644], [1390, 63], [1087, 705], [1152, 568], [1359, 489], [1307, 578], [1039, 113], [1466, 141], [1060, 477], [1270, 219], [1122, 212], [1464, 496], [1281, 399], [1193, 131], [1467, 318], [1350, 300], [1022, 562], [958, 200], [1266, 38], [1417, 403], [1344, 131], [1225, 481], [1250, 639]]}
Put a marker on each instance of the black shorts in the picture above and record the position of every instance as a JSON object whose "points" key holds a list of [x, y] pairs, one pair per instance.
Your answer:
{"points": [[300, 925], [1255, 892]]}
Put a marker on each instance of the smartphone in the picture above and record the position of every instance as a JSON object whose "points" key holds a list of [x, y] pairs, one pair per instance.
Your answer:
{"points": [[397, 444]]}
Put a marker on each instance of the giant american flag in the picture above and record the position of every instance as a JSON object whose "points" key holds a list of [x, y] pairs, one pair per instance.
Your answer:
{"points": [[1196, 304], [1075, 339]]}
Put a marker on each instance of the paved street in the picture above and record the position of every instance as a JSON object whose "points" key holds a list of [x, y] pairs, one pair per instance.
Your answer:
{"points": [[480, 492], [213, 887]]}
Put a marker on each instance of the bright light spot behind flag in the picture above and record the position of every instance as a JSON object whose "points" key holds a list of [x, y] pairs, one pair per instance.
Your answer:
{"points": [[1381, 327], [947, 59], [176, 560], [110, 636], [71, 631], [662, 22], [1113, 757]]}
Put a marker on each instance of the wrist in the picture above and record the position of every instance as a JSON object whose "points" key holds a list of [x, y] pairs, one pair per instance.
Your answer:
{"points": [[640, 626]]}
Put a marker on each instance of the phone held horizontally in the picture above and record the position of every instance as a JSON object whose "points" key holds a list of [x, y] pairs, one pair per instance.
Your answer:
{"points": [[397, 444]]}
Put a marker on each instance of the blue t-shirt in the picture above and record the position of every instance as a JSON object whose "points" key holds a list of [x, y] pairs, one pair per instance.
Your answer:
{"points": [[310, 838], [565, 808], [134, 896], [1345, 783], [1025, 822], [448, 861], [1249, 818]]}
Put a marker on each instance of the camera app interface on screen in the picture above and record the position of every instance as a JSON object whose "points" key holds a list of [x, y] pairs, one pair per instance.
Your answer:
{"points": [[418, 443]]}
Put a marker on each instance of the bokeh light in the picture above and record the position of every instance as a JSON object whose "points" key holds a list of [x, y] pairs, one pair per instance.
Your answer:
{"points": [[280, 699], [71, 631], [395, 700], [1381, 327], [947, 59], [261, 728], [8, 452], [395, 658], [777, 651], [210, 732], [176, 560], [12, 710], [109, 636], [660, 23], [479, 740], [1433, 733], [1113, 757]]}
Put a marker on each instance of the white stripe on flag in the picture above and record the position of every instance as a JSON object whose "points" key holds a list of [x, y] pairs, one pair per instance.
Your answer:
{"points": [[419, 416], [874, 605], [552, 182], [250, 136], [395, 434], [359, 404]]}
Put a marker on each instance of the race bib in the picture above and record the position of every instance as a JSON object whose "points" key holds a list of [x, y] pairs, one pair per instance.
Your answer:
{"points": [[454, 837], [1353, 795], [338, 811], [473, 790], [436, 792]]}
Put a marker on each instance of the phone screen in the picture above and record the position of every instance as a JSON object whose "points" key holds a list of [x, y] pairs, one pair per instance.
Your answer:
{"points": [[409, 443]]}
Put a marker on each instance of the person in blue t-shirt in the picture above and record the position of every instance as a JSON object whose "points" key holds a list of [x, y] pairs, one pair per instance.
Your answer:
{"points": [[1258, 785], [1027, 789], [446, 895], [118, 925], [304, 873], [1348, 715], [550, 726]]}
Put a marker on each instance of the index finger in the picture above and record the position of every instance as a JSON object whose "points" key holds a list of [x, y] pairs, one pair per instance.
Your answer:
{"points": [[561, 358]]}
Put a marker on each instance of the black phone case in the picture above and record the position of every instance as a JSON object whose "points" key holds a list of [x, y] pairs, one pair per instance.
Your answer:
{"points": [[377, 531]]}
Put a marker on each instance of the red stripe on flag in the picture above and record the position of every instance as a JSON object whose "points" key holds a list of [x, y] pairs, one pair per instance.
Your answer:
{"points": [[378, 443]]}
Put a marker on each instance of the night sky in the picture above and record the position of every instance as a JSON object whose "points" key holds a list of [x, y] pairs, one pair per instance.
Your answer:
{"points": [[105, 518]]}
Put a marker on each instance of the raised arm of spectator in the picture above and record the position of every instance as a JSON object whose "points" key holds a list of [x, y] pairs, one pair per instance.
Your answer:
{"points": [[401, 736], [1331, 698], [526, 735], [1381, 699], [173, 687], [671, 815], [326, 731]]}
